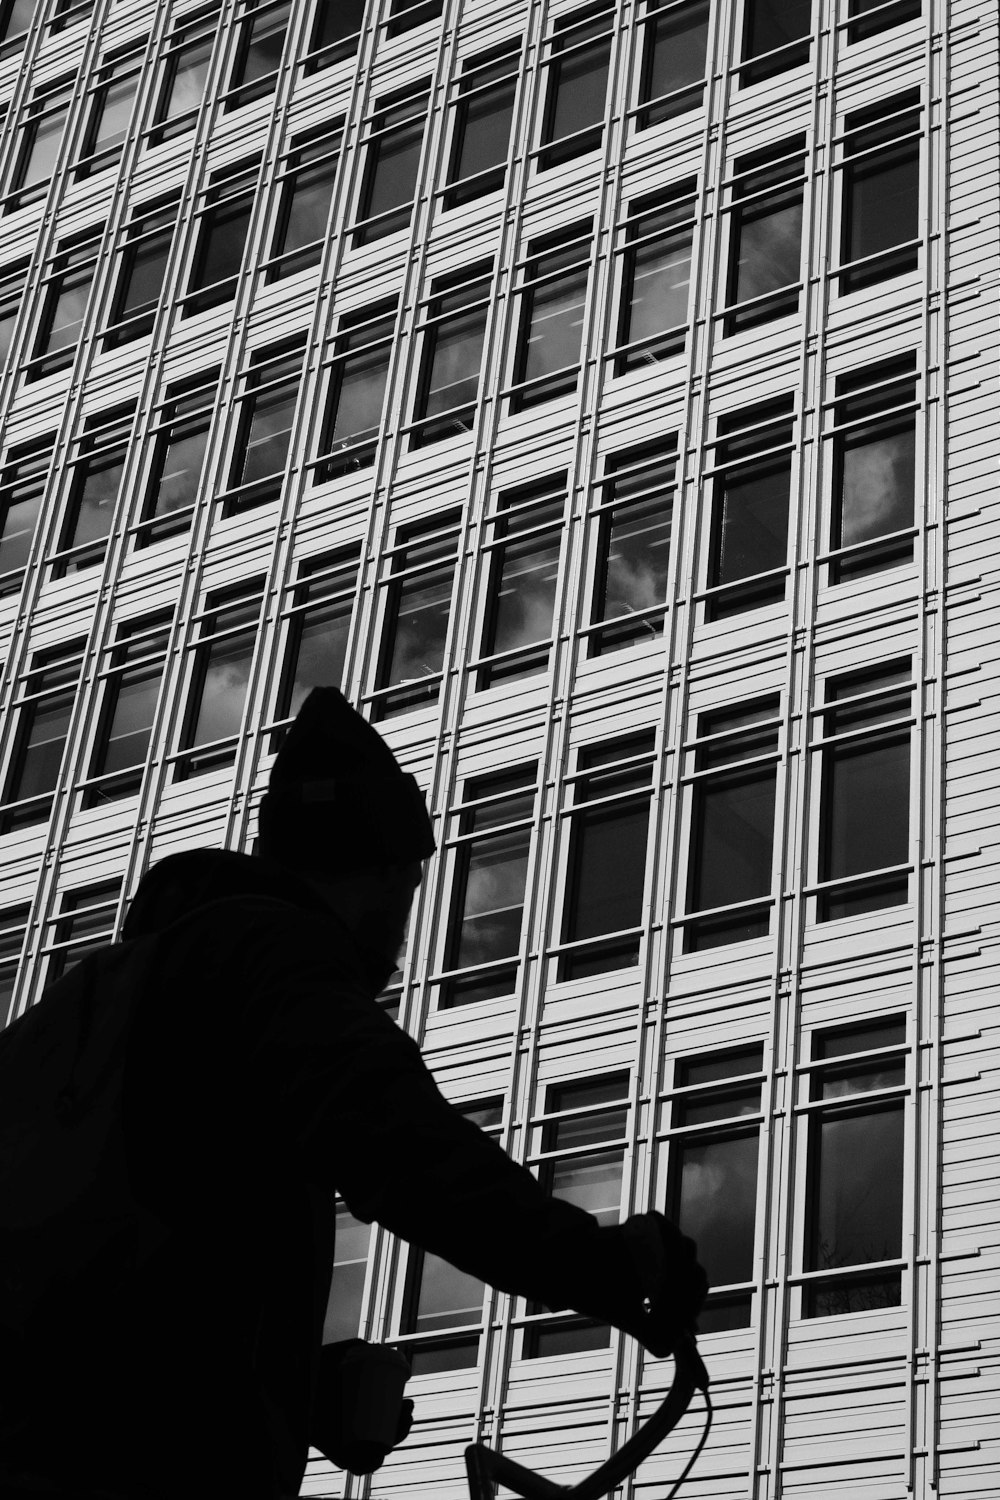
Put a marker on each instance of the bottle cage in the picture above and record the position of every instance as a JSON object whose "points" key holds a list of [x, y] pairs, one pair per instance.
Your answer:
{"points": [[486, 1468]]}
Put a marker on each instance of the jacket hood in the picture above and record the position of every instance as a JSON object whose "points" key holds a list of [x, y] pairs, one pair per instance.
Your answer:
{"points": [[181, 883]]}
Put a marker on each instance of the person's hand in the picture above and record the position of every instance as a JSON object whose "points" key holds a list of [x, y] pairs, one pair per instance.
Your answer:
{"points": [[360, 1413], [669, 1286]]}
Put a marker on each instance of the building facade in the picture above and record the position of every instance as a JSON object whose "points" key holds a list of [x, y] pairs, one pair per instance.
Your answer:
{"points": [[605, 395]]}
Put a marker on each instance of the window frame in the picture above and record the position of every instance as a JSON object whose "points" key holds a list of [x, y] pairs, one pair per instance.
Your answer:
{"points": [[327, 139], [188, 33], [149, 224], [758, 67], [526, 391], [559, 47], [142, 633], [259, 382], [433, 535], [437, 318], [320, 586], [864, 150], [320, 54], [228, 191], [651, 110], [104, 439], [359, 451], [630, 353], [119, 66], [151, 527], [193, 758], [239, 90], [64, 662], [379, 130], [750, 194], [73, 265], [474, 85], [751, 441], [99, 896], [626, 464], [42, 447], [511, 523], [48, 101]]}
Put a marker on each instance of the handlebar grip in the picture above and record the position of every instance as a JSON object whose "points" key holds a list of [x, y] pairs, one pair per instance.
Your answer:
{"points": [[690, 1361]]}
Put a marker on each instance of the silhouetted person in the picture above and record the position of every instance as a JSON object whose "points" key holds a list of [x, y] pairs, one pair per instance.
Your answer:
{"points": [[167, 1235]]}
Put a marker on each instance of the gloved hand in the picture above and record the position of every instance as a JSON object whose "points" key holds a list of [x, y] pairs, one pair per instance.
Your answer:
{"points": [[360, 1413], [669, 1286]]}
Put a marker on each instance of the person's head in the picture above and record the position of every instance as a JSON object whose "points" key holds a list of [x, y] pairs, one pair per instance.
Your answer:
{"points": [[341, 814]]}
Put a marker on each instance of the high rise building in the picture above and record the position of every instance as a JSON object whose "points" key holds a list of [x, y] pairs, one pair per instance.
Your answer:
{"points": [[605, 394]]}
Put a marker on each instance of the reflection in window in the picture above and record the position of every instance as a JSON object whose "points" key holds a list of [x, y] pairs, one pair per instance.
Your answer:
{"points": [[854, 1208], [13, 926], [124, 727], [347, 1288], [776, 36], [869, 17], [227, 634], [359, 368], [110, 111], [748, 544], [65, 294], [44, 708], [142, 271], [97, 469], [587, 1115], [222, 235], [13, 279], [66, 12], [874, 468], [454, 329], [527, 531], [765, 244], [880, 221], [674, 47], [319, 623], [15, 18], [656, 274], [308, 176], [334, 35], [634, 519], [864, 843], [481, 124], [712, 1194], [550, 329], [488, 884], [86, 921], [606, 874], [388, 187], [732, 826], [23, 482], [185, 72], [418, 593], [38, 143], [264, 427], [439, 1300], [181, 428], [260, 42], [577, 84]]}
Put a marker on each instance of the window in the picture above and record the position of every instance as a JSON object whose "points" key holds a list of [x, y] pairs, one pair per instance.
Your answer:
{"points": [[185, 72], [442, 1315], [583, 1155], [359, 369], [220, 674], [674, 47], [260, 42], [748, 542], [347, 1289], [45, 706], [319, 623], [715, 1121], [66, 12], [489, 876], [451, 354], [864, 843], [308, 177], [13, 280], [264, 427], [405, 14], [37, 149], [222, 236], [876, 15], [732, 825], [65, 293], [656, 274], [527, 529], [634, 520], [132, 685], [577, 84], [880, 216], [86, 921], [15, 18], [97, 468], [776, 36], [874, 468], [13, 926], [481, 122], [23, 483], [388, 186], [421, 572], [181, 430], [109, 111], [550, 331], [606, 873], [765, 243], [334, 36], [854, 1205], [142, 271]]}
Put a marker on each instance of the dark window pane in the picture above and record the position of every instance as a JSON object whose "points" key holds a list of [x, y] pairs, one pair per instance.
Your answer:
{"points": [[577, 86], [881, 191], [523, 574], [86, 921], [15, 17], [182, 427], [142, 271], [221, 675], [125, 726], [750, 509], [867, 808], [185, 73], [405, 14], [656, 278], [633, 548], [857, 1182], [13, 280], [97, 475], [452, 353], [362, 352], [343, 1312], [69, 280], [481, 131], [418, 611], [306, 196], [265, 426], [673, 61], [40, 738], [551, 325], [391, 164], [734, 818], [770, 25], [841, 1041], [323, 601], [335, 32], [716, 1202], [766, 236], [222, 237], [883, 16], [23, 483], [259, 46]]}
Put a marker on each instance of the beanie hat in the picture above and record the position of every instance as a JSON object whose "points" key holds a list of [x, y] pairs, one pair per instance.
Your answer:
{"points": [[337, 800]]}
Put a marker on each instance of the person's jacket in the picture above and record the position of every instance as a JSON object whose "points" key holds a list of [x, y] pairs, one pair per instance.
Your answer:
{"points": [[261, 1080]]}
